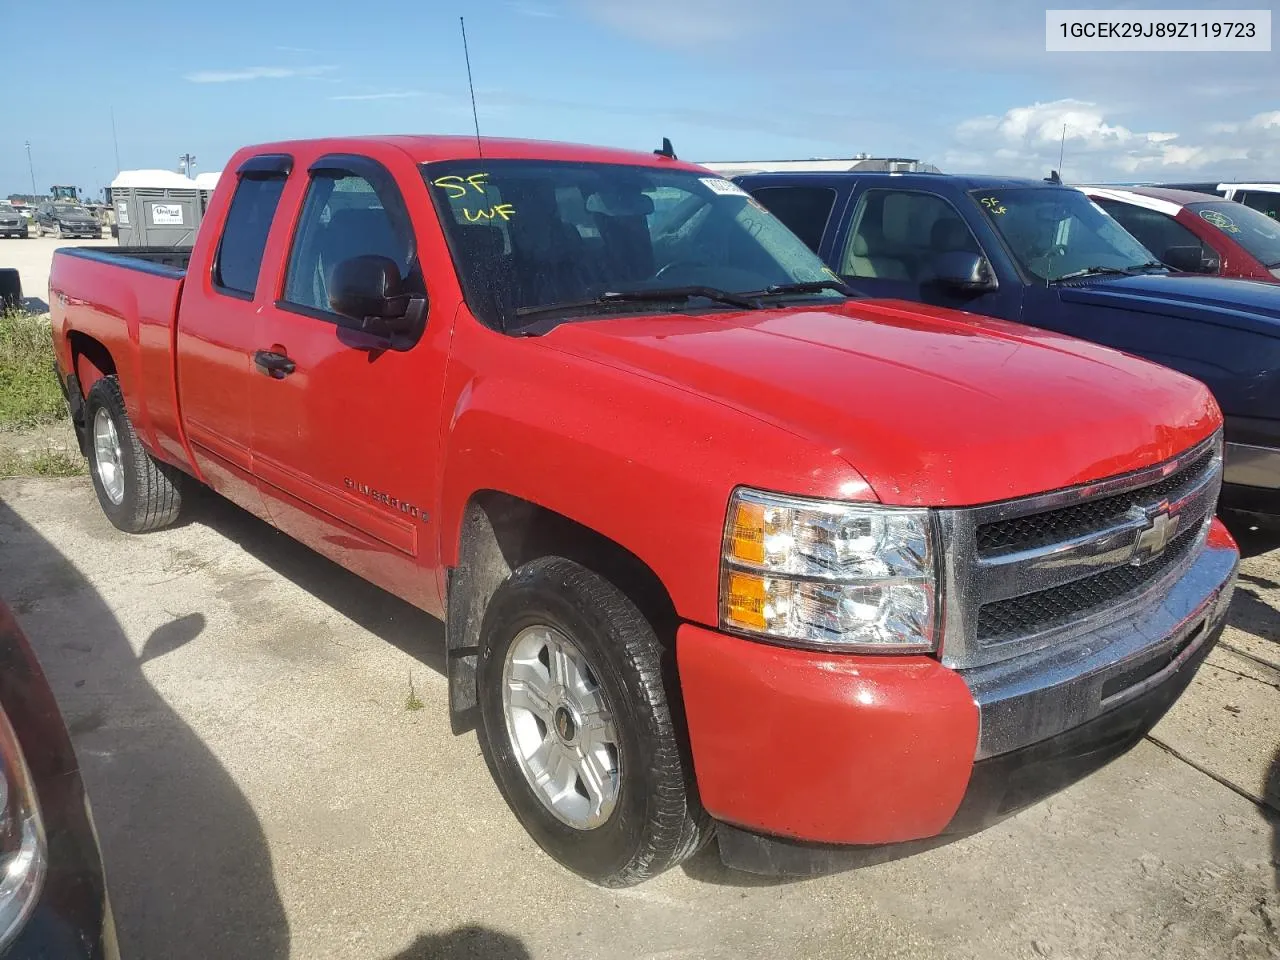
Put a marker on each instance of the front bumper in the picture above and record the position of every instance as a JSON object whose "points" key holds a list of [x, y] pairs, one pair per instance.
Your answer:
{"points": [[809, 759]]}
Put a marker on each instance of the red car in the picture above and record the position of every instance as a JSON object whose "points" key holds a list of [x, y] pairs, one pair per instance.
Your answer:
{"points": [[717, 543], [1196, 232]]}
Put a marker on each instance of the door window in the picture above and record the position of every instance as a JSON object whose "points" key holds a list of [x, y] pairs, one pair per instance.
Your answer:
{"points": [[1156, 231], [244, 237], [897, 234], [805, 210], [1262, 201], [343, 216]]}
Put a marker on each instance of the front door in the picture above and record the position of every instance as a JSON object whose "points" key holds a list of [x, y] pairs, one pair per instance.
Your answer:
{"points": [[892, 246], [346, 427]]}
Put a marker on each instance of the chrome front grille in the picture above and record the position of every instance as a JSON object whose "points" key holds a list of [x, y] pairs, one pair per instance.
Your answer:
{"points": [[1023, 574]]}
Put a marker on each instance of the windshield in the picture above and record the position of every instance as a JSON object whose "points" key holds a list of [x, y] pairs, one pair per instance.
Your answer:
{"points": [[1059, 232], [1254, 231], [531, 233]]}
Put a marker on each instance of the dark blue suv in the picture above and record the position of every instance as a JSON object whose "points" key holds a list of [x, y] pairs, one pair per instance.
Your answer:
{"points": [[1041, 253]]}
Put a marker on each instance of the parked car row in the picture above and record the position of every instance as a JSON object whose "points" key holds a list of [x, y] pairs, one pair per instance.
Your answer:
{"points": [[729, 542]]}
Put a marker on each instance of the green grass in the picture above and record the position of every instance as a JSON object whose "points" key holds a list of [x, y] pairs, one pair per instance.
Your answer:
{"points": [[53, 461], [413, 702], [29, 392]]}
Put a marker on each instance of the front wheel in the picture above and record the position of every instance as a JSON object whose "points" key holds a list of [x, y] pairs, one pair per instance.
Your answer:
{"points": [[57, 231], [136, 491], [576, 727]]}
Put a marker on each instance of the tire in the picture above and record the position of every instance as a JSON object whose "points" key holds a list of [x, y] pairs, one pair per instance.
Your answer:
{"points": [[656, 820], [57, 231], [150, 495], [39, 229]]}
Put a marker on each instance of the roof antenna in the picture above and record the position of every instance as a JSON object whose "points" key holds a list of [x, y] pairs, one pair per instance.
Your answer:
{"points": [[666, 150], [474, 115]]}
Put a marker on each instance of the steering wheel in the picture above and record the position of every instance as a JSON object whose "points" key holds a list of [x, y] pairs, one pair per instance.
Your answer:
{"points": [[675, 265]]}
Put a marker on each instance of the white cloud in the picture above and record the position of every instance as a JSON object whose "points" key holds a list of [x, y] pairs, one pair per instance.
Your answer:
{"points": [[385, 95], [1026, 140], [256, 73]]}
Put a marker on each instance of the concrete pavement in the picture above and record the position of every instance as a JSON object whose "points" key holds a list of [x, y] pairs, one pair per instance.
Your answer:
{"points": [[240, 707]]}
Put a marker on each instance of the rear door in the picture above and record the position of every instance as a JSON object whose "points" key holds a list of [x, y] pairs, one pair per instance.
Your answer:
{"points": [[217, 333], [346, 426], [807, 210]]}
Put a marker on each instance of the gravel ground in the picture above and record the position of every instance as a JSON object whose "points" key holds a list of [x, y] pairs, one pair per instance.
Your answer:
{"points": [[240, 707]]}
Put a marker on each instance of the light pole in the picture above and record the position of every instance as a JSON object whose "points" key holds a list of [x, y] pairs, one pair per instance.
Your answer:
{"points": [[188, 161], [33, 172]]}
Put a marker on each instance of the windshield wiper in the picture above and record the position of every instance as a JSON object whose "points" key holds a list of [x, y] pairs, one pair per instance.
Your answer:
{"points": [[803, 286], [653, 295], [1092, 271]]}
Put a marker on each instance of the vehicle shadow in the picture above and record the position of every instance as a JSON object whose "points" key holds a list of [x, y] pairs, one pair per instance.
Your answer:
{"points": [[464, 943], [385, 615], [188, 869]]}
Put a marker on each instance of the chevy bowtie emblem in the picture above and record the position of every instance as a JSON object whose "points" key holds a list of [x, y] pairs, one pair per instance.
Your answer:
{"points": [[1161, 527]]}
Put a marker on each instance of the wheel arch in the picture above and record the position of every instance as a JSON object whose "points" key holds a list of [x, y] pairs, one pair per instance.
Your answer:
{"points": [[90, 362], [499, 533]]}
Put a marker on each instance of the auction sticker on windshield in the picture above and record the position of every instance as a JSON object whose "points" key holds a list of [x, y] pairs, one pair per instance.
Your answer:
{"points": [[726, 188]]}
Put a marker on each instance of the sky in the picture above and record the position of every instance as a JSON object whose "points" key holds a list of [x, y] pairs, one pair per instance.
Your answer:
{"points": [[967, 86]]}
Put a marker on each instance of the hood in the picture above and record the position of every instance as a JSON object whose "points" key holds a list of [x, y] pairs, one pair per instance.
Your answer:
{"points": [[931, 406], [1252, 305], [74, 216]]}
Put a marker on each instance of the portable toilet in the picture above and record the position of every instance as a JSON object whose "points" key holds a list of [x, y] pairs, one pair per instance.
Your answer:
{"points": [[155, 208]]}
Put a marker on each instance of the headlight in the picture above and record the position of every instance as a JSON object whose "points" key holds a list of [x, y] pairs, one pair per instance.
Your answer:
{"points": [[830, 575], [23, 855]]}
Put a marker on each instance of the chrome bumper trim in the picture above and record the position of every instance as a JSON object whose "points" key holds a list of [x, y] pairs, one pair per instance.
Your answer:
{"points": [[1038, 695], [1250, 466]]}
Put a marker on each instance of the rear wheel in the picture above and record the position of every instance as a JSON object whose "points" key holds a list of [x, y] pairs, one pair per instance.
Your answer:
{"points": [[136, 492], [576, 726]]}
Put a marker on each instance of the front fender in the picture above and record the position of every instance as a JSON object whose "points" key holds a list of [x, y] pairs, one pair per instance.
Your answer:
{"points": [[642, 462]]}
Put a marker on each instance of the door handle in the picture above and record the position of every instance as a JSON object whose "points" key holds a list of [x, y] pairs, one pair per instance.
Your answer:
{"points": [[275, 365]]}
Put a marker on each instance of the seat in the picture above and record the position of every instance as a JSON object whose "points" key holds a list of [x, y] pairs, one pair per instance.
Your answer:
{"points": [[948, 235], [951, 235], [867, 259], [548, 254]]}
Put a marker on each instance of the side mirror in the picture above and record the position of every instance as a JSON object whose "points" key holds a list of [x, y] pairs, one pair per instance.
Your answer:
{"points": [[1192, 259], [368, 290], [968, 272]]}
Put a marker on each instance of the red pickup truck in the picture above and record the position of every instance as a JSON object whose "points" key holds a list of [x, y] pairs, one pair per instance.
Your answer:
{"points": [[720, 548]]}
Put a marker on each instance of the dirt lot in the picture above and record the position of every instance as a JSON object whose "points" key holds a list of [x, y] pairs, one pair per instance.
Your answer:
{"points": [[262, 789]]}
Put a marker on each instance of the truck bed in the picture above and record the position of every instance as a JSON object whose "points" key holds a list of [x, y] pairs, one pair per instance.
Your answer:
{"points": [[170, 261], [126, 299]]}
